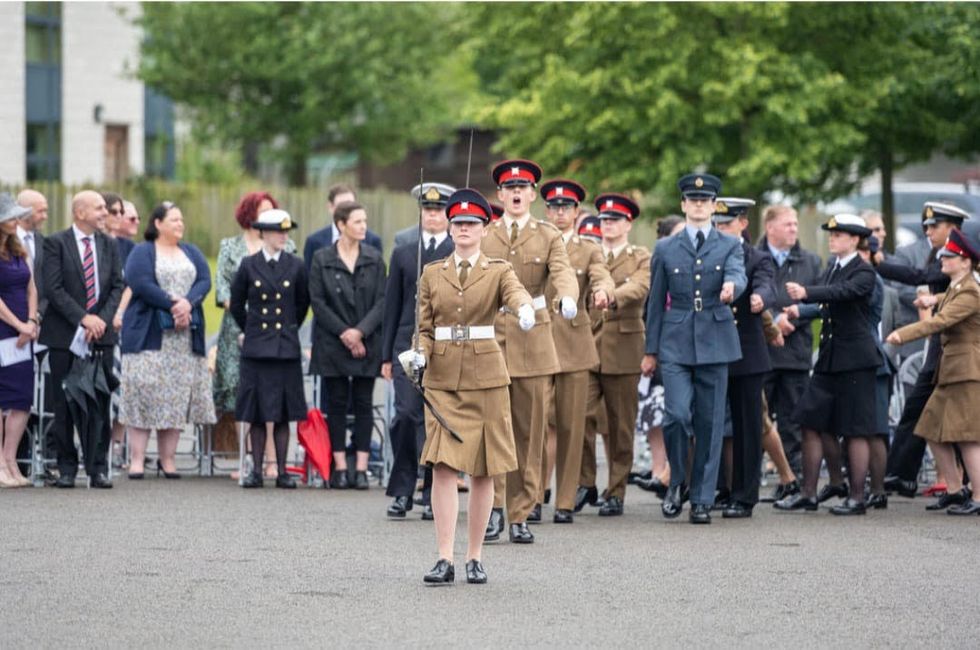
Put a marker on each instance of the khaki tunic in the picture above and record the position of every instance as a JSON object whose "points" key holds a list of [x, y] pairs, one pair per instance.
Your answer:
{"points": [[538, 257], [467, 380], [952, 413], [620, 331]]}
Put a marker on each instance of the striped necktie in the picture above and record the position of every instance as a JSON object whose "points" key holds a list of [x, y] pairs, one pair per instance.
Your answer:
{"points": [[88, 270]]}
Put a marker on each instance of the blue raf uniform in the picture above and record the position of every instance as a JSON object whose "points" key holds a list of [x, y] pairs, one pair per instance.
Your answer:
{"points": [[694, 340]]}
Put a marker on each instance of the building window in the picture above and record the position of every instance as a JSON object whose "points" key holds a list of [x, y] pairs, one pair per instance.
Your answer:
{"points": [[43, 87], [43, 152]]}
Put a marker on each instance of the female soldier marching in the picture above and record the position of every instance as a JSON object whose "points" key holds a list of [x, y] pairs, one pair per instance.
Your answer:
{"points": [[466, 378], [270, 394]]}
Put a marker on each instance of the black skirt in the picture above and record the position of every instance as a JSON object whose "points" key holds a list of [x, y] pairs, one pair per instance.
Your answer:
{"points": [[841, 403], [270, 390]]}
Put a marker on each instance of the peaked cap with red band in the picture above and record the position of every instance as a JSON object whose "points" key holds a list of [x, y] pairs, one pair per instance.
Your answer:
{"points": [[958, 245], [616, 206], [562, 191], [589, 227], [498, 211], [468, 205], [516, 172]]}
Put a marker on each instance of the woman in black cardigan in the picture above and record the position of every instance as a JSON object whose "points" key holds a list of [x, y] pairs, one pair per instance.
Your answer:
{"points": [[347, 293]]}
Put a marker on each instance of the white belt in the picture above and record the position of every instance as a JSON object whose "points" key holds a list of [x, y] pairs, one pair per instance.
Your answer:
{"points": [[539, 302], [464, 332]]}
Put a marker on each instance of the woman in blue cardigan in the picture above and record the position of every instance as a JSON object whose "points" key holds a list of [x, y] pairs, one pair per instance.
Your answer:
{"points": [[166, 384]]}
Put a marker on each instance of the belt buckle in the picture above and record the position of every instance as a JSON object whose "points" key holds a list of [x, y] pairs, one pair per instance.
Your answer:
{"points": [[698, 305], [459, 332]]}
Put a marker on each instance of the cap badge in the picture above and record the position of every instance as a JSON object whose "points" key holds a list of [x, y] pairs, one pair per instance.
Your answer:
{"points": [[720, 207], [286, 224], [560, 191], [929, 212], [609, 203], [432, 194], [698, 182], [832, 223], [515, 171], [465, 205]]}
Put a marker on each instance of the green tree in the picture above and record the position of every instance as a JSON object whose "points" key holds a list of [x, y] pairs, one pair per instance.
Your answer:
{"points": [[303, 77]]}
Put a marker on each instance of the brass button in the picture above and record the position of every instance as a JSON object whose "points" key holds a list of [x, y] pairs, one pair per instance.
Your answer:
{"points": [[265, 296], [697, 292], [278, 326], [697, 277], [513, 252], [677, 270], [537, 260], [460, 293], [459, 309], [258, 284], [734, 310], [285, 283], [264, 311], [717, 268], [278, 311], [279, 295], [265, 326], [736, 321], [699, 261]]}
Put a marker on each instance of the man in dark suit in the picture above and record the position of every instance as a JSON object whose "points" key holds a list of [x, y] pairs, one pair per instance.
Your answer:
{"points": [[745, 376], [327, 236], [408, 427], [694, 342], [83, 282]]}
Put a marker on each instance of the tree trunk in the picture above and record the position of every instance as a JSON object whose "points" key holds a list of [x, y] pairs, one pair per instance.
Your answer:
{"points": [[885, 166]]}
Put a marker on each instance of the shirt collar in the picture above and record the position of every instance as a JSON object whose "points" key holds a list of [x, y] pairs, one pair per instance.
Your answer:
{"points": [[844, 261], [335, 231], [472, 260], [615, 251], [567, 236], [692, 231], [778, 253], [268, 257], [508, 220], [440, 237], [24, 234], [79, 235]]}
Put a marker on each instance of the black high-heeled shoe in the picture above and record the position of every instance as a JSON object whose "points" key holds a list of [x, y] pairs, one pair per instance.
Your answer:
{"points": [[135, 476], [166, 474]]}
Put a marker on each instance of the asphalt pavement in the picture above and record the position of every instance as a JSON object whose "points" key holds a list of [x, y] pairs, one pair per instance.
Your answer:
{"points": [[203, 563]]}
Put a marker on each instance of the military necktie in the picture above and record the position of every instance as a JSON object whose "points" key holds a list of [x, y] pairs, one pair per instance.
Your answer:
{"points": [[609, 258], [464, 271], [513, 232], [700, 239], [431, 248], [272, 262]]}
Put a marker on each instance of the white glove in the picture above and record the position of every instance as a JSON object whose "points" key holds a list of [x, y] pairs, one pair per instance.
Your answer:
{"points": [[525, 317], [569, 309]]}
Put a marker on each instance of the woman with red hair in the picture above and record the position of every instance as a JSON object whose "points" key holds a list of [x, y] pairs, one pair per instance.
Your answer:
{"points": [[230, 255]]}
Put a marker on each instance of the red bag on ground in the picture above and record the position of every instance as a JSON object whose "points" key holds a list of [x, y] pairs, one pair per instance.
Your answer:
{"points": [[315, 438]]}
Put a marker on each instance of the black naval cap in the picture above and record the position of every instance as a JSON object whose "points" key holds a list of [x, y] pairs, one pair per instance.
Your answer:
{"points": [[849, 223], [729, 208], [616, 206], [275, 220], [958, 245], [509, 173], [562, 191], [434, 195], [934, 212], [699, 186], [468, 205]]}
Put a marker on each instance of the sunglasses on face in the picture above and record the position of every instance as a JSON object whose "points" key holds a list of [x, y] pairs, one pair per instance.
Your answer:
{"points": [[133, 219], [116, 212]]}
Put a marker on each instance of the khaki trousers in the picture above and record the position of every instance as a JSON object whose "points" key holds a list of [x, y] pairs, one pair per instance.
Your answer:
{"points": [[621, 399], [529, 414], [570, 396]]}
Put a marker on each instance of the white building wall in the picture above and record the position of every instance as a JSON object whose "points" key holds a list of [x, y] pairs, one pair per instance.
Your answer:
{"points": [[100, 48], [13, 129]]}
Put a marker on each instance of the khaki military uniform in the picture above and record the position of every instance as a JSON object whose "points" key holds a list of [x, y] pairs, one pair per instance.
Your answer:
{"points": [[538, 256], [576, 356], [466, 380], [619, 336]]}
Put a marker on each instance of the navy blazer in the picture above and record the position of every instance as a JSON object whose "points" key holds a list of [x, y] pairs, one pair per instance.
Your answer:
{"points": [[398, 322], [324, 237], [698, 328], [141, 326], [760, 271], [269, 305]]}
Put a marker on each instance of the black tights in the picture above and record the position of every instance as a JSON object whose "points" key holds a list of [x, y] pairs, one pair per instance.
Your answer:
{"points": [[280, 436], [860, 450], [354, 391]]}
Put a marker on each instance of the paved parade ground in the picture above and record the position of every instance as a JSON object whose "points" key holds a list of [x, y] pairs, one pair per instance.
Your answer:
{"points": [[203, 563]]}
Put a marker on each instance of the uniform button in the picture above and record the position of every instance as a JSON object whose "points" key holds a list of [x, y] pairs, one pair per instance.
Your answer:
{"points": [[279, 296], [459, 309], [265, 296], [717, 268], [264, 311], [338, 289], [459, 343], [258, 284], [537, 260], [734, 310], [513, 252], [829, 320], [336, 275], [285, 283], [697, 277], [677, 270], [265, 326], [697, 292], [830, 336], [278, 311], [278, 326], [460, 293], [736, 321], [699, 261], [578, 271]]}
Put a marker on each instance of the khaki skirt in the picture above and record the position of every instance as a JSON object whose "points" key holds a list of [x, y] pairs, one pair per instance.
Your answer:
{"points": [[482, 420], [952, 414]]}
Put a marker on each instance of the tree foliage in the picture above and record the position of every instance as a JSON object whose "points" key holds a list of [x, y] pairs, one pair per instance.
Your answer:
{"points": [[308, 76]]}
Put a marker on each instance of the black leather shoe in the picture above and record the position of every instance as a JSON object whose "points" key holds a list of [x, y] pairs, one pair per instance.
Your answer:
{"points": [[521, 534], [635, 477], [613, 507], [286, 482], [736, 510], [723, 499], [475, 575], [360, 481], [951, 499], [782, 491], [443, 573], [166, 474], [797, 502], [535, 515], [495, 525], [849, 507], [339, 479], [965, 509], [904, 488], [652, 484], [830, 491], [877, 502], [547, 496], [64, 481], [673, 502], [253, 480], [564, 517], [135, 476], [585, 495], [427, 514], [99, 481], [399, 507], [700, 514]]}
